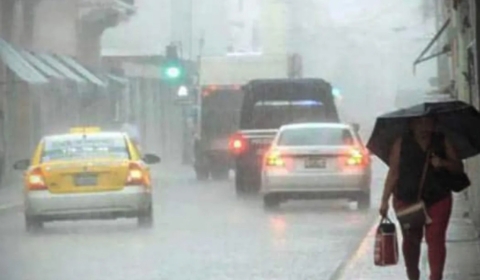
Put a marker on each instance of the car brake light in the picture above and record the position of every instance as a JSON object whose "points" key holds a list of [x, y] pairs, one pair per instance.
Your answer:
{"points": [[36, 180], [237, 144], [136, 175], [357, 158], [274, 158]]}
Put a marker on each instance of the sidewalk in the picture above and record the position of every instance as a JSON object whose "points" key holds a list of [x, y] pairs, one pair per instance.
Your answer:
{"points": [[10, 197], [463, 257], [11, 191]]}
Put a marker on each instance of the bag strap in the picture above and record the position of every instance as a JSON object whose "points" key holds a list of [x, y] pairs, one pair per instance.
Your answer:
{"points": [[424, 173], [386, 220]]}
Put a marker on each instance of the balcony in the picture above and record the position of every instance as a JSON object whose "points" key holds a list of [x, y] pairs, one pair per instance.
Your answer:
{"points": [[107, 12]]}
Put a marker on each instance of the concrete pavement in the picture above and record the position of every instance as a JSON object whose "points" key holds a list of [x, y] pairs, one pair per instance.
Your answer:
{"points": [[463, 257], [202, 231]]}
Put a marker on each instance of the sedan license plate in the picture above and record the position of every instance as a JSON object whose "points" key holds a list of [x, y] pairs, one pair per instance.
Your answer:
{"points": [[315, 163], [86, 180]]}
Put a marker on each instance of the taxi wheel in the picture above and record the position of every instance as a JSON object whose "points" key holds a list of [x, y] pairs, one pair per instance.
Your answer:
{"points": [[33, 224], [146, 219]]}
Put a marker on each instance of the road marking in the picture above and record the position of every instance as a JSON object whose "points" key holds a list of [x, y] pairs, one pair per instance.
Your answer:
{"points": [[359, 248]]}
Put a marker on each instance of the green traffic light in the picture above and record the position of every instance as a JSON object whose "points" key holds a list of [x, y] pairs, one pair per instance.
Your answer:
{"points": [[173, 72]]}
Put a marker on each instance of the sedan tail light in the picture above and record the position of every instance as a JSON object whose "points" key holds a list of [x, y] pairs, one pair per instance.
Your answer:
{"points": [[36, 180], [136, 175], [357, 157], [274, 158], [277, 160]]}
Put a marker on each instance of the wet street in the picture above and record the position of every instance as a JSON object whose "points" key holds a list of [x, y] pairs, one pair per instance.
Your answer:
{"points": [[202, 231]]}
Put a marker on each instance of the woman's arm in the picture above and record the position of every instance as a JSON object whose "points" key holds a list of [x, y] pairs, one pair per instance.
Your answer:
{"points": [[452, 162], [393, 171]]}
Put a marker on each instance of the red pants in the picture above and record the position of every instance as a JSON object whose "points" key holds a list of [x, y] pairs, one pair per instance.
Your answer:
{"points": [[435, 235]]}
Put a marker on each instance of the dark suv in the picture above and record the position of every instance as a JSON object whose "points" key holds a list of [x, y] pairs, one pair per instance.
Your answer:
{"points": [[267, 105]]}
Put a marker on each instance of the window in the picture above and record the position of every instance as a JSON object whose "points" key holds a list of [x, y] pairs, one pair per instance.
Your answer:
{"points": [[273, 114], [315, 136], [74, 147]]}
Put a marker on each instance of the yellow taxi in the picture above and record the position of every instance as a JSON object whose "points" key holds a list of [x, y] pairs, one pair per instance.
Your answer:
{"points": [[87, 174]]}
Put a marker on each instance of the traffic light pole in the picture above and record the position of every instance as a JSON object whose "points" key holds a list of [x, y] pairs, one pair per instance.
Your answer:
{"points": [[198, 86], [185, 137]]}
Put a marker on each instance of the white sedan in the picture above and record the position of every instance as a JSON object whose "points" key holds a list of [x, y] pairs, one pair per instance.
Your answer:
{"points": [[316, 160]]}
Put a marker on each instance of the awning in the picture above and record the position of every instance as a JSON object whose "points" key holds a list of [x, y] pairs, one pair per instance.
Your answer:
{"points": [[17, 64], [88, 75], [42, 66], [60, 67], [117, 79], [421, 58], [125, 7]]}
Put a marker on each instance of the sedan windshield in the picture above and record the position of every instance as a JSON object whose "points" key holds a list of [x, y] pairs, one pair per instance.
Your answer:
{"points": [[315, 136]]}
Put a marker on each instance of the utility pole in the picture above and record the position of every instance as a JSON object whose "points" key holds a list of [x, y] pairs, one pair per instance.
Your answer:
{"points": [[190, 37]]}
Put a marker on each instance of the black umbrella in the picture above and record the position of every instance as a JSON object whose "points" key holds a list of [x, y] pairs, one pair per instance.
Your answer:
{"points": [[459, 121]]}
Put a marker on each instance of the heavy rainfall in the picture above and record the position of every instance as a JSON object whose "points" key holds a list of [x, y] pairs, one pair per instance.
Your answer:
{"points": [[238, 139]]}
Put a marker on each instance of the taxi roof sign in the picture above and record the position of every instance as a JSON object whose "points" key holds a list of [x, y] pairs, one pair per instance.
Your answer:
{"points": [[84, 130]]}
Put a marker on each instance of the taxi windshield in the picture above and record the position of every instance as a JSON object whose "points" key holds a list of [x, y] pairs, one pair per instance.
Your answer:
{"points": [[80, 146]]}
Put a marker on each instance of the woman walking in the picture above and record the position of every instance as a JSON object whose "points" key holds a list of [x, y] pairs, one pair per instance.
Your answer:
{"points": [[406, 161]]}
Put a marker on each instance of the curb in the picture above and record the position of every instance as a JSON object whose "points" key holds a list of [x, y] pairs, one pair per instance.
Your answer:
{"points": [[371, 226]]}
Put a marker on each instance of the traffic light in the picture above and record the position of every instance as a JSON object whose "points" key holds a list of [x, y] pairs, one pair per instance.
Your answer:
{"points": [[337, 93], [172, 69]]}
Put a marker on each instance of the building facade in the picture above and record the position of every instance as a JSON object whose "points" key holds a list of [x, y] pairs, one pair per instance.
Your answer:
{"points": [[50, 68], [460, 64], [230, 26]]}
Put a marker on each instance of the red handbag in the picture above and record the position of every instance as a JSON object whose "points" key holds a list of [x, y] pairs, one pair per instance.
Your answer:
{"points": [[386, 244]]}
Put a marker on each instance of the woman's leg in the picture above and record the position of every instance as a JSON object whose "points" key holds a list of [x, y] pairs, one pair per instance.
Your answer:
{"points": [[411, 247], [412, 244], [435, 235]]}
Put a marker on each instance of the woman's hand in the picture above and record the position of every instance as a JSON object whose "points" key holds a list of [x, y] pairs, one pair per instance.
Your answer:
{"points": [[383, 209], [437, 161]]}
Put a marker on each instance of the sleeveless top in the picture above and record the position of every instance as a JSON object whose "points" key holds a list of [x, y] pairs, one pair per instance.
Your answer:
{"points": [[412, 160]]}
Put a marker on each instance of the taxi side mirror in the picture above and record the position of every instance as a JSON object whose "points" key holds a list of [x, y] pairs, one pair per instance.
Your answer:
{"points": [[21, 164], [151, 159]]}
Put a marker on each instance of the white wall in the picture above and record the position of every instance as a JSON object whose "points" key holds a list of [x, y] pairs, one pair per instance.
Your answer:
{"points": [[146, 32], [244, 16], [55, 27]]}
